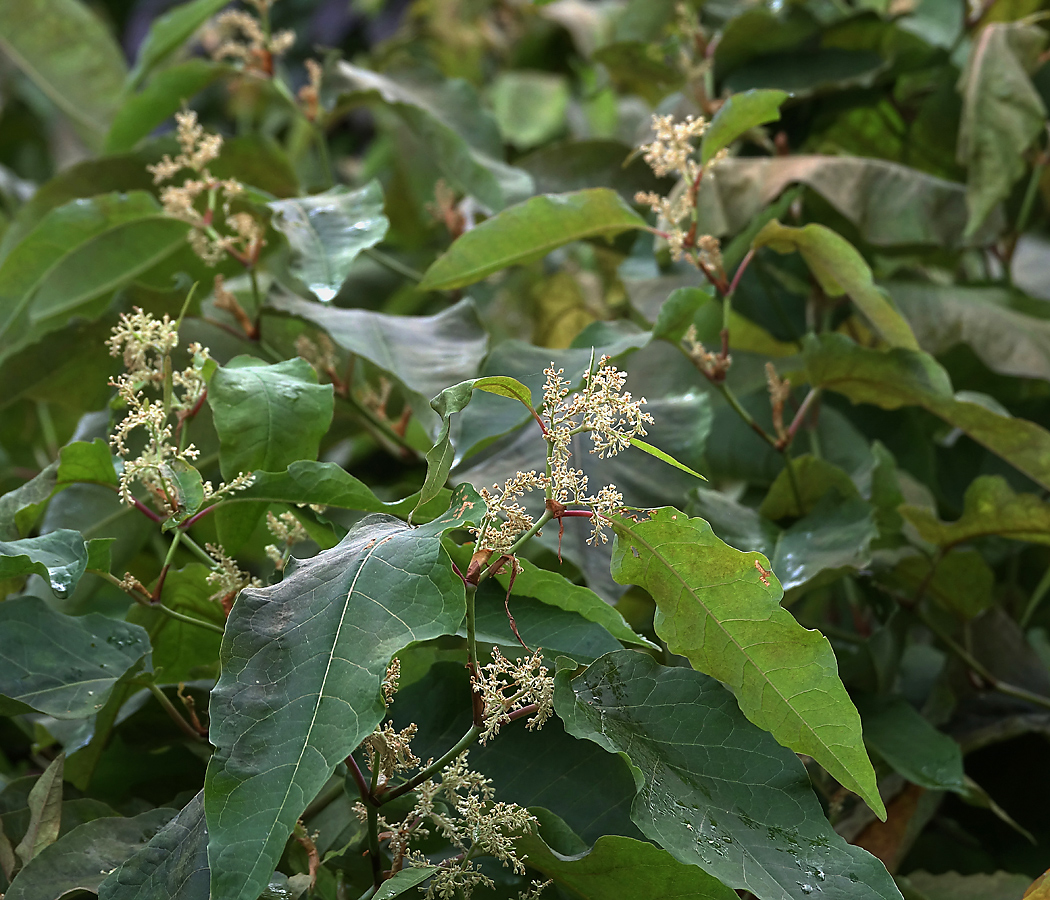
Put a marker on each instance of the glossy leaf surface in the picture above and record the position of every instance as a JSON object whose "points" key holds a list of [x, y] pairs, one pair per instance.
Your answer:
{"points": [[59, 556], [720, 608], [713, 790]]}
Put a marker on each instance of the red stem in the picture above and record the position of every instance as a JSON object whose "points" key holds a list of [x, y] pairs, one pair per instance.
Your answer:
{"points": [[744, 263]]}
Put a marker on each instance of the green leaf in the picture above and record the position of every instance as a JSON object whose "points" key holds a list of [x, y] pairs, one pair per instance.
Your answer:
{"points": [[172, 866], [82, 859], [63, 666], [990, 507], [45, 812], [717, 607], [268, 416], [922, 885], [70, 55], [840, 269], [77, 253], [713, 790], [78, 462], [450, 401], [814, 477], [185, 486], [183, 652], [327, 232], [164, 96], [990, 320], [962, 582], [620, 868], [905, 378], [895, 730], [448, 120], [529, 231], [59, 556], [890, 205], [664, 457], [168, 33], [530, 106], [994, 134], [302, 664], [738, 115], [425, 353], [403, 881]]}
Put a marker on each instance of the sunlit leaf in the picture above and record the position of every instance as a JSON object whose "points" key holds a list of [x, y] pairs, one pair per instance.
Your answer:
{"points": [[529, 231], [720, 608], [714, 790], [59, 556]]}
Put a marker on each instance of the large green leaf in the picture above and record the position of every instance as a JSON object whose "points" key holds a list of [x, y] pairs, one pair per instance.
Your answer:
{"points": [[738, 115], [621, 868], [425, 353], [720, 608], [169, 32], [302, 664], [840, 269], [268, 416], [164, 96], [327, 232], [450, 122], [714, 790], [529, 231], [994, 134], [890, 204], [896, 731], [908, 378], [84, 857], [63, 666], [77, 253], [58, 556], [990, 507], [1006, 339], [45, 812], [1000, 885], [78, 462], [70, 55], [172, 866]]}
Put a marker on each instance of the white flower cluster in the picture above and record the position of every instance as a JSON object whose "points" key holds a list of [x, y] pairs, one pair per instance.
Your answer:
{"points": [[671, 152], [506, 687], [227, 578], [244, 237], [289, 532], [146, 344], [243, 38]]}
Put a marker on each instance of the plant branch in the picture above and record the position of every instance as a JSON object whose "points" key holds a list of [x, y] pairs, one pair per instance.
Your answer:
{"points": [[462, 744], [394, 265], [176, 717]]}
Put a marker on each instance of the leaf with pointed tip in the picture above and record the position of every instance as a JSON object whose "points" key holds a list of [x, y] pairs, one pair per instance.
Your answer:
{"points": [[45, 812], [172, 866], [738, 115], [403, 881], [302, 665], [169, 32], [59, 556], [714, 790], [529, 231], [63, 666], [451, 401], [990, 507], [327, 232], [268, 416], [840, 269], [664, 457], [82, 859], [720, 608], [621, 868], [901, 377]]}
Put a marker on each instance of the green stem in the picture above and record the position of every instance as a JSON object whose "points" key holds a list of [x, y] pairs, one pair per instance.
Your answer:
{"points": [[1029, 197], [160, 607], [977, 666], [256, 293], [794, 484], [184, 726], [472, 637], [1037, 597], [202, 554], [322, 154], [462, 744], [731, 399], [393, 265], [373, 827], [382, 430], [518, 544]]}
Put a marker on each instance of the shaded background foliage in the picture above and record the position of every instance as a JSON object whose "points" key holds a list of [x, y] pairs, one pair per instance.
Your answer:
{"points": [[916, 541]]}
